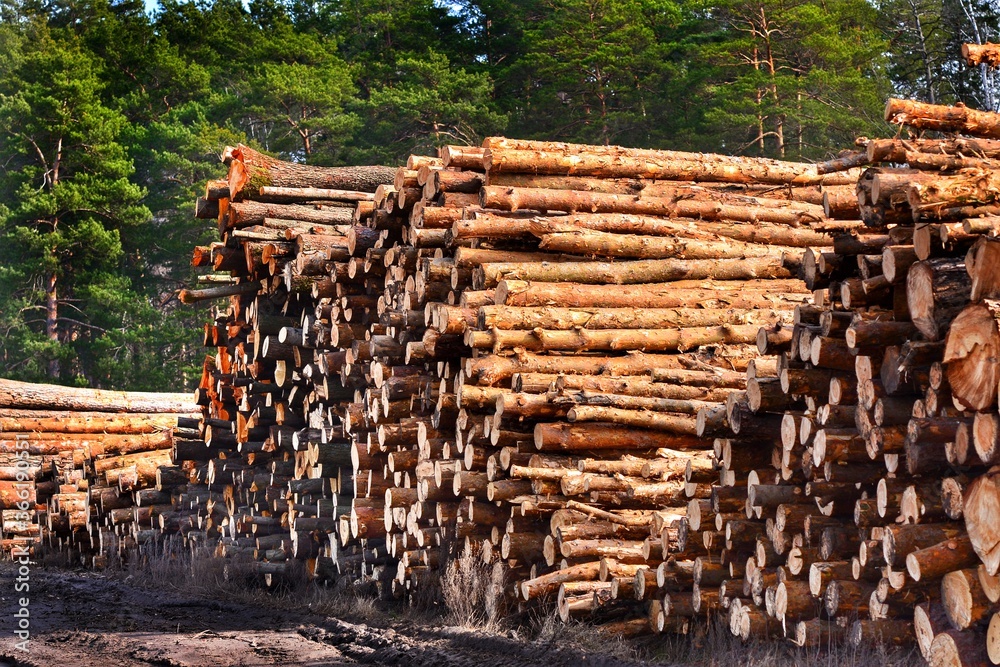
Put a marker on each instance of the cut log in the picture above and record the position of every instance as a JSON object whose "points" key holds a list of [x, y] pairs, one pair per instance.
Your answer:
{"points": [[943, 118], [513, 199], [250, 170], [963, 598], [721, 295], [981, 507], [989, 55], [669, 166], [972, 356], [936, 291], [635, 272]]}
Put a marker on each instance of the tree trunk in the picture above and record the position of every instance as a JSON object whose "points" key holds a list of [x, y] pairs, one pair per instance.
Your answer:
{"points": [[52, 320]]}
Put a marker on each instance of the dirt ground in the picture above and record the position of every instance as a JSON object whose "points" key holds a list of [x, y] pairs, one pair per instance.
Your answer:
{"points": [[86, 618]]}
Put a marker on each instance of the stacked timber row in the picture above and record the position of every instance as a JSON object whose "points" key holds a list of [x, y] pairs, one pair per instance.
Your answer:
{"points": [[86, 473], [597, 362], [867, 498], [501, 354], [280, 396]]}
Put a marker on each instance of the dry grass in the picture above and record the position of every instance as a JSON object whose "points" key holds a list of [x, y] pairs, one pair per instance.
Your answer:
{"points": [[717, 647], [473, 593]]}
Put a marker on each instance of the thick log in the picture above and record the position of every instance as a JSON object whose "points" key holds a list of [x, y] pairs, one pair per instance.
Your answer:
{"points": [[491, 225], [969, 187], [982, 54], [936, 291], [981, 506], [647, 340], [250, 170], [597, 436], [940, 559], [656, 165], [981, 265], [953, 648], [943, 118], [494, 369], [895, 150], [88, 422], [963, 598], [972, 356], [248, 213], [189, 296], [14, 394], [629, 246], [508, 317]]}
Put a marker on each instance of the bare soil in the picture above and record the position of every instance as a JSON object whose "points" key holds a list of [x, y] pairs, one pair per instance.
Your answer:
{"points": [[86, 618]]}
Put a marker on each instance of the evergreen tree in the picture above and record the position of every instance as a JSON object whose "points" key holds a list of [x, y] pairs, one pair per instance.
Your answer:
{"points": [[67, 202]]}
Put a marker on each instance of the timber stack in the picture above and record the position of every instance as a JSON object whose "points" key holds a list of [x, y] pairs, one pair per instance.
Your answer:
{"points": [[86, 474], [500, 355], [874, 496]]}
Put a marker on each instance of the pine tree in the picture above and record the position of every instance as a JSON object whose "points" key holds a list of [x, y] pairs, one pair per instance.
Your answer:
{"points": [[67, 200]]}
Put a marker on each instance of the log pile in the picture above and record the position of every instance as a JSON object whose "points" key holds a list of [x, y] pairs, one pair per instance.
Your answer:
{"points": [[86, 474], [868, 497], [495, 355], [642, 386]]}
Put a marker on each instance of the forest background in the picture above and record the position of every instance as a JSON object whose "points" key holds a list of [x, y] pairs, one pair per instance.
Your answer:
{"points": [[113, 115]]}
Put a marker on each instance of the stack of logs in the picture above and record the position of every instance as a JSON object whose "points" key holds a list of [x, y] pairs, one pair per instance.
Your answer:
{"points": [[866, 498], [597, 371], [86, 474], [463, 363]]}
